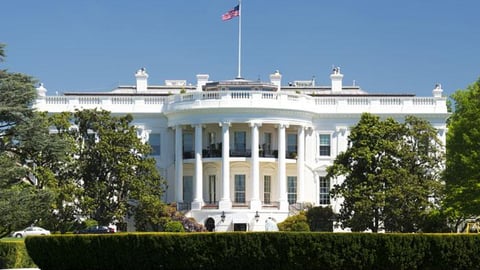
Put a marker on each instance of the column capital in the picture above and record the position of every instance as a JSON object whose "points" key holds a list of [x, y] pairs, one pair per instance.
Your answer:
{"points": [[224, 124], [198, 125], [283, 125], [255, 124], [177, 127]]}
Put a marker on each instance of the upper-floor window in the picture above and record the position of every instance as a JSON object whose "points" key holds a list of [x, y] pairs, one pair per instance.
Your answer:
{"points": [[324, 144], [240, 141], [188, 150], [291, 145], [154, 142]]}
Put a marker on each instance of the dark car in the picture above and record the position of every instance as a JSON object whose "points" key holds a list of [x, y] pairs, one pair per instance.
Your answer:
{"points": [[96, 230]]}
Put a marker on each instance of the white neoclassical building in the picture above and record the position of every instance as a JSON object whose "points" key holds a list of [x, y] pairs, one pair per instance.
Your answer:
{"points": [[239, 153]]}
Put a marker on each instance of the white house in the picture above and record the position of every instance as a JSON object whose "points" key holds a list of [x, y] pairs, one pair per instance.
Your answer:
{"points": [[239, 153]]}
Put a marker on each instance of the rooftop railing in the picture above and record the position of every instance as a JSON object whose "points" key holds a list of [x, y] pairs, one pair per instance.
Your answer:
{"points": [[250, 99]]}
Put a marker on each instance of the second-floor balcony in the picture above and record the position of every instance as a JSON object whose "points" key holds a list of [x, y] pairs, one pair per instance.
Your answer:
{"points": [[207, 153]]}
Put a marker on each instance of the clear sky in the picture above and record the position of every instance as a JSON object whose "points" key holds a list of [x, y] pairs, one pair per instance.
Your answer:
{"points": [[386, 46]]}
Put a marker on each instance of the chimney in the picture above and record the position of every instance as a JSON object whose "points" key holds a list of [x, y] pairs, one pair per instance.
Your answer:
{"points": [[336, 78], [437, 92], [142, 77], [202, 80], [276, 79]]}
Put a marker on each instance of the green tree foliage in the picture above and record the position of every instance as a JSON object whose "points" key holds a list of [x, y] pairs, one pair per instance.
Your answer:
{"points": [[21, 204], [320, 219], [114, 169], [462, 173], [296, 223], [390, 172]]}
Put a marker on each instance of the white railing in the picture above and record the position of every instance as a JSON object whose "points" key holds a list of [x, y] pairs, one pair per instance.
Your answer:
{"points": [[250, 99]]}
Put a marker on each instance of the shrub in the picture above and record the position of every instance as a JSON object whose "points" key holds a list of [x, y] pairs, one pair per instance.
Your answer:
{"points": [[296, 223], [13, 254], [320, 219], [174, 226]]}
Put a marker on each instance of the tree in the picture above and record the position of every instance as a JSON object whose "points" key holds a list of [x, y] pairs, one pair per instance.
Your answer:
{"points": [[115, 171], [21, 203], [462, 171], [320, 219], [390, 173]]}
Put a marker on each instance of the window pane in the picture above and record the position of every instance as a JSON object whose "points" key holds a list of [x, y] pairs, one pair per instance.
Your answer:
{"points": [[267, 188], [154, 141], [324, 148], [240, 188], [292, 189], [240, 140], [324, 190]]}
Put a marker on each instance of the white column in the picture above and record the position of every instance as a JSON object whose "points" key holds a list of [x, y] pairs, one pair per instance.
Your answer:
{"points": [[255, 203], [178, 164], [282, 168], [198, 200], [225, 201], [301, 165]]}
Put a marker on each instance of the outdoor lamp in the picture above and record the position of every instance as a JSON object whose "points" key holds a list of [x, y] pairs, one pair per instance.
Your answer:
{"points": [[257, 216], [223, 216]]}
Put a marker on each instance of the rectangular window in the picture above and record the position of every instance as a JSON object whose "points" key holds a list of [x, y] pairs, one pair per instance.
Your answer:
{"points": [[291, 146], [239, 188], [154, 142], [188, 150], [324, 148], [292, 189], [212, 186], [267, 189], [324, 192], [240, 141], [267, 144]]}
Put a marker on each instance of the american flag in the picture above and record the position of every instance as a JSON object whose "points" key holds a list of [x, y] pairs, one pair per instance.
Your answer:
{"points": [[235, 12]]}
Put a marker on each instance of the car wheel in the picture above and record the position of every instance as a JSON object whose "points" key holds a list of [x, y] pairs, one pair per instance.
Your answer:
{"points": [[18, 235]]}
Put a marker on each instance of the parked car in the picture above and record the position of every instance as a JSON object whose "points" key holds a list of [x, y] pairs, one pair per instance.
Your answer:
{"points": [[30, 231], [95, 230]]}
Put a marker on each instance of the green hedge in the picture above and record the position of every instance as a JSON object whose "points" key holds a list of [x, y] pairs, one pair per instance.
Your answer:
{"points": [[13, 254], [274, 250]]}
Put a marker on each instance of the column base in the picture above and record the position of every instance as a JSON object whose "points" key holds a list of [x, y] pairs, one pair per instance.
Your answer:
{"points": [[224, 205], [197, 205], [255, 205]]}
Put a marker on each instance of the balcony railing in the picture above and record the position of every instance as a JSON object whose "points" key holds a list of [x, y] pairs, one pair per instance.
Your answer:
{"points": [[215, 153]]}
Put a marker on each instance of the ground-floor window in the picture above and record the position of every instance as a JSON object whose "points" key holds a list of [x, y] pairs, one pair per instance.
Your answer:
{"points": [[240, 227], [212, 186], [239, 188], [187, 189], [324, 192], [267, 188], [292, 189]]}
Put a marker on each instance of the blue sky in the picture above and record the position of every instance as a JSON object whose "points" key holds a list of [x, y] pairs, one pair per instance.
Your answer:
{"points": [[385, 46]]}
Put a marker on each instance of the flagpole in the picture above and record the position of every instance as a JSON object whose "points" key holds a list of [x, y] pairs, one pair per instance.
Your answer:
{"points": [[239, 76]]}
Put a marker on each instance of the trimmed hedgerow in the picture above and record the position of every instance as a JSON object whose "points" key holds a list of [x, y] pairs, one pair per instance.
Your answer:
{"points": [[270, 250], [13, 254]]}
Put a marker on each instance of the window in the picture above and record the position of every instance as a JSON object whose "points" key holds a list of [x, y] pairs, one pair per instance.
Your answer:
{"points": [[212, 186], [240, 141], [154, 141], [324, 192], [239, 188], [291, 145], [267, 189], [292, 189], [188, 150], [267, 144], [324, 148]]}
